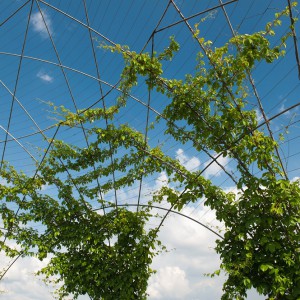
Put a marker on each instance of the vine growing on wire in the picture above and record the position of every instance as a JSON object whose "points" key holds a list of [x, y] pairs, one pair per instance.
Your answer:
{"points": [[108, 255]]}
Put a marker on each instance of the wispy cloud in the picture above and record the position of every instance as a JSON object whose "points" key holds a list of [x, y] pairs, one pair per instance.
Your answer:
{"points": [[259, 116], [190, 163], [162, 180], [215, 168], [283, 107], [44, 76], [295, 179], [38, 23]]}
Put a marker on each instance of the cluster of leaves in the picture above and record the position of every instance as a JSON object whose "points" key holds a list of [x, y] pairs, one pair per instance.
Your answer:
{"points": [[108, 255], [105, 256]]}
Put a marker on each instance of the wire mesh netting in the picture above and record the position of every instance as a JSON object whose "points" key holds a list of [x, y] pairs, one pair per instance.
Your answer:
{"points": [[49, 53]]}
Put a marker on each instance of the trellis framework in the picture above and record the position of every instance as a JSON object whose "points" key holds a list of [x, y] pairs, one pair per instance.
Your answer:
{"points": [[52, 56]]}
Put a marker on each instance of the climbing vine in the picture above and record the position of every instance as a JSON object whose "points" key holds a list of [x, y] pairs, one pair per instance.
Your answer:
{"points": [[108, 255]]}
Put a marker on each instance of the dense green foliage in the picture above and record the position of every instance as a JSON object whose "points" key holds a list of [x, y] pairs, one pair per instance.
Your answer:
{"points": [[109, 255]]}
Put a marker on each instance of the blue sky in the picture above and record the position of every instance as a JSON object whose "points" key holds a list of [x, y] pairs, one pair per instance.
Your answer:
{"points": [[58, 65]]}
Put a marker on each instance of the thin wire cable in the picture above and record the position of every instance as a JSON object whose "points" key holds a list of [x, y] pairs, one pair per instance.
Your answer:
{"points": [[67, 81], [48, 31], [23, 108], [139, 102], [103, 104], [36, 172], [244, 18], [158, 23], [133, 205], [42, 131], [14, 13], [196, 15], [17, 141], [294, 36], [16, 85], [230, 93], [10, 265], [220, 154], [78, 21], [256, 95], [146, 125], [172, 211]]}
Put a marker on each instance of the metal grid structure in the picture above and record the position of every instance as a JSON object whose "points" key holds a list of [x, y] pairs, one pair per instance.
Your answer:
{"points": [[48, 52]]}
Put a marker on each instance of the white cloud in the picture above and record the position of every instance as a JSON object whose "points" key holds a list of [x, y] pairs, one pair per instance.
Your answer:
{"points": [[20, 282], [44, 76], [282, 108], [162, 180], [38, 24], [259, 116], [130, 194], [214, 169], [3, 182], [190, 163], [169, 281], [180, 272]]}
